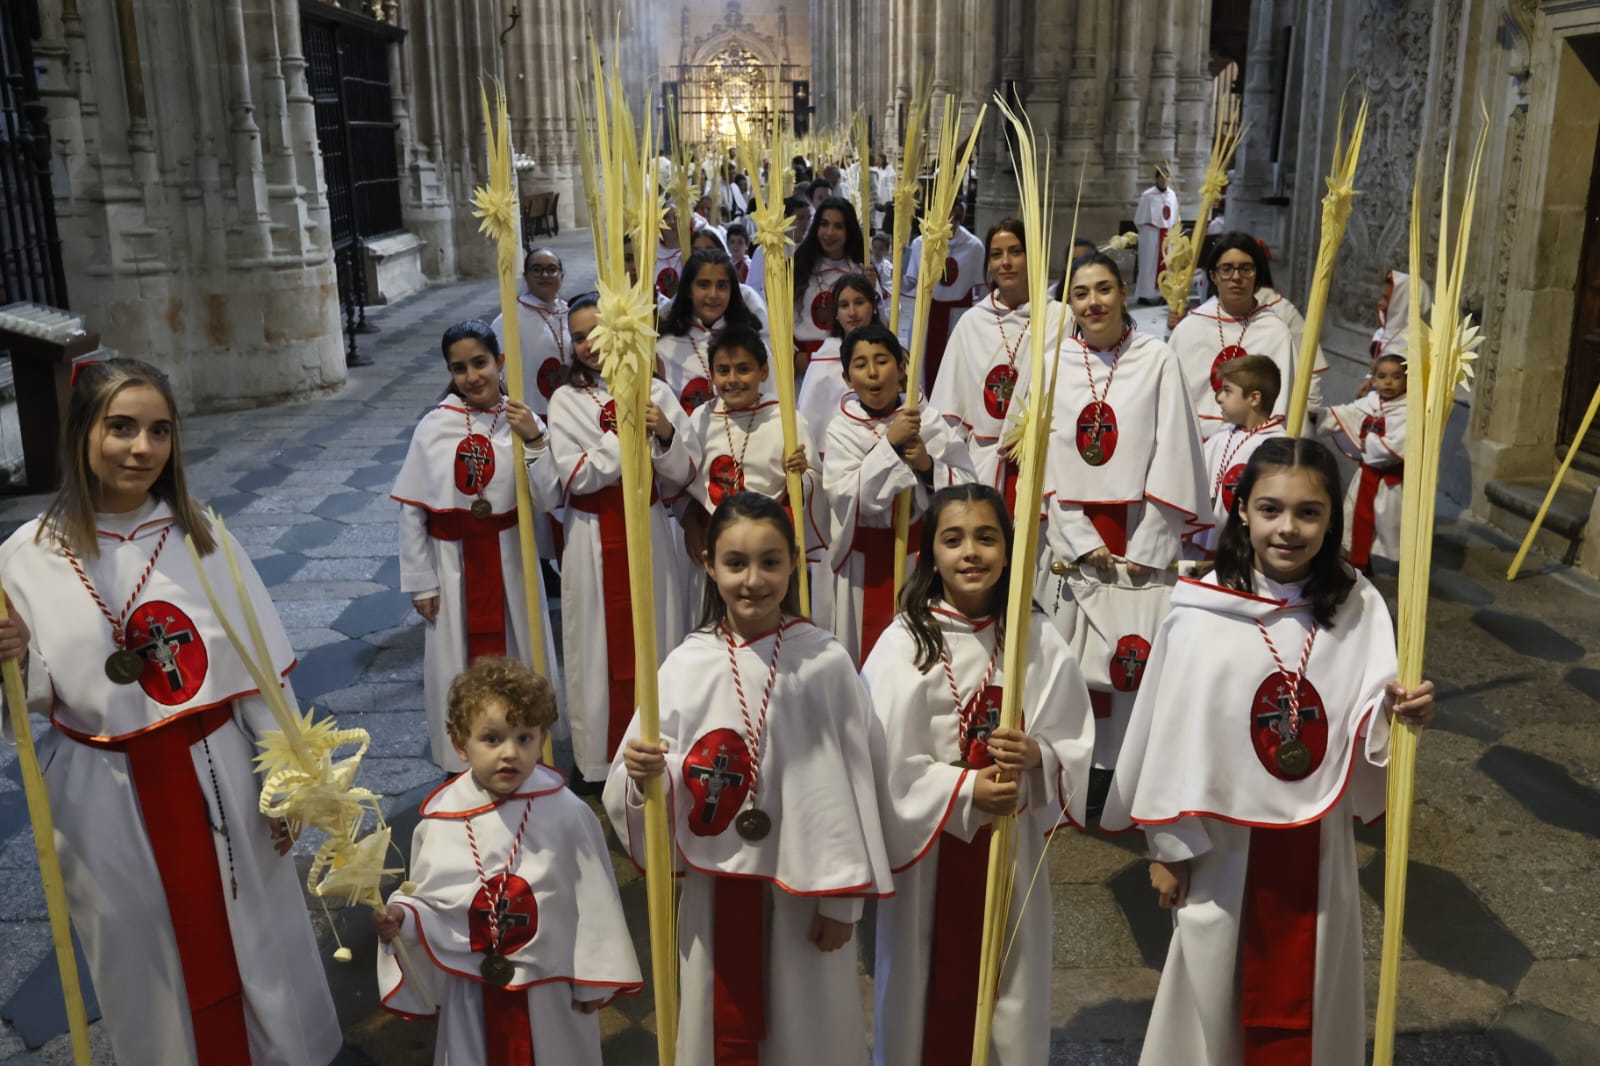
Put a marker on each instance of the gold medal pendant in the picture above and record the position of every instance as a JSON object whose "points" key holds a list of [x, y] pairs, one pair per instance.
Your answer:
{"points": [[961, 764], [753, 825], [497, 970], [124, 667], [481, 508], [1093, 455], [1294, 759]]}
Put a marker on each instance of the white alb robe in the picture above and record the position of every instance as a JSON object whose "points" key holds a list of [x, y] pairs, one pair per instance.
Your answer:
{"points": [[579, 949], [1153, 483], [1373, 433], [824, 853], [822, 387], [113, 882], [431, 487], [924, 798], [1156, 214], [814, 311], [1193, 774], [1227, 454], [546, 347], [587, 458], [1206, 332], [668, 270], [862, 474], [964, 268], [985, 374]]}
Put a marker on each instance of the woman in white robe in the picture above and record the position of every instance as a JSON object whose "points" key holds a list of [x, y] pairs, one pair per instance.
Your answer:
{"points": [[148, 761]]}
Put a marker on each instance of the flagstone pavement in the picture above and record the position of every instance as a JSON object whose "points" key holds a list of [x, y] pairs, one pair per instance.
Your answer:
{"points": [[1502, 958]]}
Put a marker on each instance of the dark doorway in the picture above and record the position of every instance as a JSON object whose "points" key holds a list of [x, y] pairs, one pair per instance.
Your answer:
{"points": [[30, 247], [347, 71], [1583, 363]]}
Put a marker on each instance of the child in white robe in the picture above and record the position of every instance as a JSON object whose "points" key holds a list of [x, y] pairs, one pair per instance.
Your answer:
{"points": [[989, 357], [878, 447], [765, 750], [149, 758], [1126, 484], [596, 621], [1372, 431], [739, 438], [713, 239], [937, 680], [1249, 389], [856, 301], [708, 301], [1261, 730], [506, 840], [460, 559]]}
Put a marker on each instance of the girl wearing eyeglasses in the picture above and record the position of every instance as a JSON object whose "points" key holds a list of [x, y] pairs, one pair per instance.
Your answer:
{"points": [[1230, 325]]}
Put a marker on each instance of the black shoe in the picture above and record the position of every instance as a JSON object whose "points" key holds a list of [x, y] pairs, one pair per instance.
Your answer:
{"points": [[1099, 785], [358, 360], [552, 579]]}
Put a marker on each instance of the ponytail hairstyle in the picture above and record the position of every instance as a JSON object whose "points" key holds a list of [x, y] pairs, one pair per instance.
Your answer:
{"points": [[757, 508], [1330, 580], [924, 587], [1101, 259], [69, 521], [855, 283], [473, 329]]}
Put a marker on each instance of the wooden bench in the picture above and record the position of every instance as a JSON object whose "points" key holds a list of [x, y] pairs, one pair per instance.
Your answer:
{"points": [[539, 217]]}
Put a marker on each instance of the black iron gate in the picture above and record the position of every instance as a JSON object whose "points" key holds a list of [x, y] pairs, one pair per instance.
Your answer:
{"points": [[30, 247], [347, 71], [734, 87]]}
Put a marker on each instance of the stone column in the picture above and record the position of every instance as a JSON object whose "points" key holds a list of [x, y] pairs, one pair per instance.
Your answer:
{"points": [[1161, 121], [1083, 87], [1193, 93], [1254, 171], [1123, 143]]}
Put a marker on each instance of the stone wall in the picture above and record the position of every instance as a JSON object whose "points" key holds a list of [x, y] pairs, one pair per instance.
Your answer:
{"points": [[189, 185]]}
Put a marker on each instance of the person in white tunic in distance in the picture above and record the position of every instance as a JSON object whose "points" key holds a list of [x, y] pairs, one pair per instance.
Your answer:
{"points": [[856, 302], [1261, 731], [709, 300], [513, 908], [460, 557], [834, 247], [1155, 216], [1372, 431], [937, 680], [191, 916], [713, 239]]}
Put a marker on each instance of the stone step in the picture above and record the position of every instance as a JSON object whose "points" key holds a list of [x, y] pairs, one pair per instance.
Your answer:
{"points": [[1513, 503]]}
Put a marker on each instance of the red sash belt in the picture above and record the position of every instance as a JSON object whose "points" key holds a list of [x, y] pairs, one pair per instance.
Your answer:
{"points": [[1111, 522], [1364, 523], [177, 819], [507, 1026], [958, 894], [1279, 955], [482, 575], [875, 545], [1009, 472], [616, 599], [939, 335], [739, 970], [1100, 703]]}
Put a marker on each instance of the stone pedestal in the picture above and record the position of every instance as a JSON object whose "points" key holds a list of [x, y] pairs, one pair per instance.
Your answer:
{"points": [[394, 268]]}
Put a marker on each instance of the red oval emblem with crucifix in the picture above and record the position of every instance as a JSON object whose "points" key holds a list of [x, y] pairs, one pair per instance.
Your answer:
{"points": [[474, 464], [695, 392], [724, 479], [979, 718], [1227, 355], [667, 282], [552, 375], [718, 775], [1373, 424], [1128, 660], [822, 311], [998, 386], [952, 271], [1096, 433], [175, 659], [506, 901], [1230, 485], [1270, 726], [608, 417]]}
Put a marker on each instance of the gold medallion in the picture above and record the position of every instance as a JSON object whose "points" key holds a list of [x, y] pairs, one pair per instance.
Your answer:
{"points": [[753, 825], [481, 508], [497, 970], [1294, 759], [124, 667]]}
